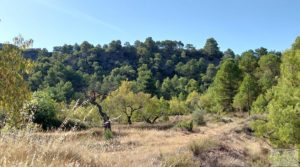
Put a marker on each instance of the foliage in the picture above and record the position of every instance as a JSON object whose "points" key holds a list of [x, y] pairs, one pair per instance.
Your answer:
{"points": [[103, 68], [43, 110], [209, 101], [126, 102], [225, 85], [198, 117], [282, 124], [112, 81], [208, 77], [193, 101], [247, 94], [108, 135], [178, 87], [186, 125], [211, 48], [178, 107], [145, 82], [13, 88], [154, 109], [248, 62], [259, 106], [268, 71]]}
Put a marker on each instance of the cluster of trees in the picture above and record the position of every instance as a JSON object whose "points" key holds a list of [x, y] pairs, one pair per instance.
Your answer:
{"points": [[279, 105], [160, 68], [266, 85], [151, 80], [239, 81]]}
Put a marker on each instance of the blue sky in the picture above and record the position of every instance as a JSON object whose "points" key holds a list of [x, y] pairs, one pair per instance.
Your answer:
{"points": [[236, 24]]}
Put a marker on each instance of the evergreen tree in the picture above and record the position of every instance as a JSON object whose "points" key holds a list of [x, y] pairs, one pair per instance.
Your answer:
{"points": [[267, 72], [211, 48], [145, 82], [282, 124], [226, 84], [247, 93], [248, 62]]}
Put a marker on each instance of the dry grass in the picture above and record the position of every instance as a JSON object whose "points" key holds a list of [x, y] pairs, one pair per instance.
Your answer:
{"points": [[130, 147]]}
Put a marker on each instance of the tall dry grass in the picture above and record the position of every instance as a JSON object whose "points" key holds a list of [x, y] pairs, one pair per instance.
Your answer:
{"points": [[130, 147], [137, 146], [27, 149]]}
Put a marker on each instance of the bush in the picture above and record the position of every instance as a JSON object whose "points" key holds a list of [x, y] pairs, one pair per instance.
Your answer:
{"points": [[154, 109], [108, 135], [202, 145], [73, 124], [43, 111], [198, 117], [178, 107], [186, 125]]}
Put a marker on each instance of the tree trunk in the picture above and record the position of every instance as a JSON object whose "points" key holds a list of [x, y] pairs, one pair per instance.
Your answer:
{"points": [[153, 121], [103, 115], [129, 120]]}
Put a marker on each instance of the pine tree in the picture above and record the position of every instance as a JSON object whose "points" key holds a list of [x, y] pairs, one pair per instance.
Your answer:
{"points": [[247, 93], [226, 84], [145, 80], [283, 110]]}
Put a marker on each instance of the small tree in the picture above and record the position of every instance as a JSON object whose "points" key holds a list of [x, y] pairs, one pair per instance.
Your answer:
{"points": [[225, 86], [13, 88], [178, 107], [193, 101], [93, 100], [282, 125], [154, 109], [127, 102], [43, 110], [247, 94]]}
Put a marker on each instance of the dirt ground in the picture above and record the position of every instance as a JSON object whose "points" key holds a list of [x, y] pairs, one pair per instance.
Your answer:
{"points": [[132, 146]]}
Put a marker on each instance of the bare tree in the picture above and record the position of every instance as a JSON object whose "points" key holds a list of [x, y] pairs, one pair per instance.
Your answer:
{"points": [[92, 99]]}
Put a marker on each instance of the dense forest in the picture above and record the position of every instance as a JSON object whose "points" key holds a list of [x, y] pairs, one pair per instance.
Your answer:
{"points": [[151, 80], [161, 68]]}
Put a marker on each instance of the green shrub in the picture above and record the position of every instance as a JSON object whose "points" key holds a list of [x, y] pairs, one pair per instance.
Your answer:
{"points": [[186, 125], [108, 135], [198, 117], [202, 145], [42, 110], [178, 107]]}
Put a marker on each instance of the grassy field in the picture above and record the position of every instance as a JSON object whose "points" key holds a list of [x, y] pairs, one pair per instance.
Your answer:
{"points": [[215, 144]]}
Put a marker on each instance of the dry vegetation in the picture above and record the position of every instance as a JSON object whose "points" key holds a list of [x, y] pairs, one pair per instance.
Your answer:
{"points": [[215, 144]]}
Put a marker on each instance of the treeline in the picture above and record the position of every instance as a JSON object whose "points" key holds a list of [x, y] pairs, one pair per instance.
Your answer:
{"points": [[161, 68]]}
